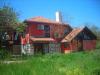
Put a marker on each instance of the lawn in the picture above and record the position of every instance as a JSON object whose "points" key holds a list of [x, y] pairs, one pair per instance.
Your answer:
{"points": [[78, 63]]}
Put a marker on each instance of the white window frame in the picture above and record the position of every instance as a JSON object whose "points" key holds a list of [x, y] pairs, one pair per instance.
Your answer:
{"points": [[40, 27]]}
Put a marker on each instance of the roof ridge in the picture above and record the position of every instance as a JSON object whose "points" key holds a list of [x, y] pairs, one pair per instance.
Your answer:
{"points": [[44, 20], [41, 17]]}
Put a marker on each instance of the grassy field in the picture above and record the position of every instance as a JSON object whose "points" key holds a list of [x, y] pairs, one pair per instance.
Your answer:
{"points": [[78, 63]]}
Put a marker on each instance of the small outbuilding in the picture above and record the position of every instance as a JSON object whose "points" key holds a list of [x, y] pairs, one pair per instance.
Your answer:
{"points": [[79, 39]]}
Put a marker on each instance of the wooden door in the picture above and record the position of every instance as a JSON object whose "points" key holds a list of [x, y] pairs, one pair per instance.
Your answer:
{"points": [[80, 45]]}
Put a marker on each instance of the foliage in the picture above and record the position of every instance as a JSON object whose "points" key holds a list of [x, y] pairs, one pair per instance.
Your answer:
{"points": [[4, 54], [8, 18], [79, 63], [8, 21], [21, 27], [98, 44]]}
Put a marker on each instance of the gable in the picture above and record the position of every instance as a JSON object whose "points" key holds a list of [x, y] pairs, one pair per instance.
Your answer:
{"points": [[89, 33], [84, 35], [80, 34]]}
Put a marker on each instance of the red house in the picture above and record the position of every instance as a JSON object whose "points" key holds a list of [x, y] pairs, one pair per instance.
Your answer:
{"points": [[47, 36]]}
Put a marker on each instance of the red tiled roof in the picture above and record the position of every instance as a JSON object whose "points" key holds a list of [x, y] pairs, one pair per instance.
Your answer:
{"points": [[42, 19], [42, 39], [72, 35]]}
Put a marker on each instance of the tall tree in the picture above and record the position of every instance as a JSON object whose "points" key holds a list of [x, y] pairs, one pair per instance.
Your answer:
{"points": [[21, 27], [9, 23], [8, 18]]}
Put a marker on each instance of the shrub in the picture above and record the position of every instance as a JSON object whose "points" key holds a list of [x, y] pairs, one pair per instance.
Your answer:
{"points": [[98, 45], [4, 53], [96, 72]]}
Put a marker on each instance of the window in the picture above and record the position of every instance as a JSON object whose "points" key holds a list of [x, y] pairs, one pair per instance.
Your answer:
{"points": [[46, 28], [41, 27]]}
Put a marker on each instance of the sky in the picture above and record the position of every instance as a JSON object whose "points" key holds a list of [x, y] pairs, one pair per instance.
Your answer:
{"points": [[75, 12]]}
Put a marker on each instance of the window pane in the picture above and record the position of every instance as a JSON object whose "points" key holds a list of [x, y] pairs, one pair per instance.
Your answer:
{"points": [[41, 27]]}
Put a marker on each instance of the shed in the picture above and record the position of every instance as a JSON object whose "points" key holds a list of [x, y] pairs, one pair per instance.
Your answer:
{"points": [[79, 39]]}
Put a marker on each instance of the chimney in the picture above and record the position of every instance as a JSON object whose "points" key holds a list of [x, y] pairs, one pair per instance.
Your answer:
{"points": [[58, 16]]}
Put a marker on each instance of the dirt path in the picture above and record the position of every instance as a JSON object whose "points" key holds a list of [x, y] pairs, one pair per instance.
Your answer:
{"points": [[8, 62]]}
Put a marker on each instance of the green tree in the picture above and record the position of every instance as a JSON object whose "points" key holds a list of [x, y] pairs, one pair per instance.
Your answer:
{"points": [[8, 18], [9, 23], [21, 27]]}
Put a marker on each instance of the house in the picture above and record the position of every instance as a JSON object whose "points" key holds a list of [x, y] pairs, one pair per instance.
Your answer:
{"points": [[46, 36]]}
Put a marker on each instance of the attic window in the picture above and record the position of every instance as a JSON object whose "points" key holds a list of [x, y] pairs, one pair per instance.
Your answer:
{"points": [[41, 27]]}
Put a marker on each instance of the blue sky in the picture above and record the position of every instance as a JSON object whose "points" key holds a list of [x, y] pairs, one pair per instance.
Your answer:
{"points": [[75, 12]]}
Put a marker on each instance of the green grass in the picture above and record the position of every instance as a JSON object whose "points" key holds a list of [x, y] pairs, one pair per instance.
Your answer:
{"points": [[78, 63]]}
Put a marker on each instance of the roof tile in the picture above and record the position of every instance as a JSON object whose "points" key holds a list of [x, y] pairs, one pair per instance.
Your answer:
{"points": [[72, 35], [42, 19]]}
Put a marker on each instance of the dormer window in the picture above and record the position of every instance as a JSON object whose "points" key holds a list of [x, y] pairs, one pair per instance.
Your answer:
{"points": [[40, 27]]}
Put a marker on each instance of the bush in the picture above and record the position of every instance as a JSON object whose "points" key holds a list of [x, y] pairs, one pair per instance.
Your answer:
{"points": [[96, 72], [4, 54], [98, 45]]}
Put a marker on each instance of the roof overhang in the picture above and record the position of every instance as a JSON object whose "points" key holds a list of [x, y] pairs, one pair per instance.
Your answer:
{"points": [[42, 39], [64, 41]]}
